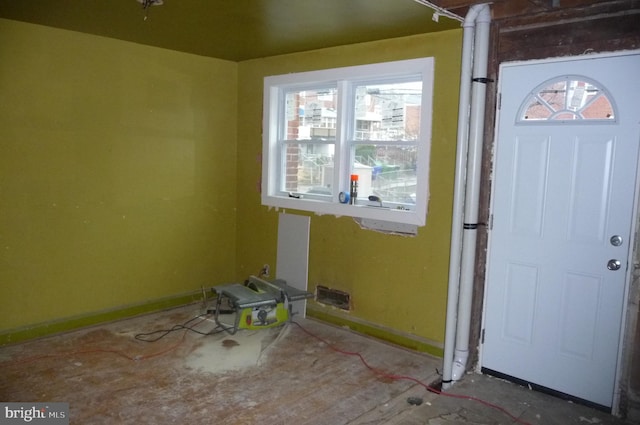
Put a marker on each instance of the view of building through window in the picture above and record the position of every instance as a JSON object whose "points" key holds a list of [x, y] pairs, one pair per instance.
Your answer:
{"points": [[382, 139], [311, 117]]}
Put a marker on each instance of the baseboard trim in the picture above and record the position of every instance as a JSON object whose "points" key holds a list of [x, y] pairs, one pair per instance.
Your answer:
{"points": [[39, 330], [332, 316], [412, 342]]}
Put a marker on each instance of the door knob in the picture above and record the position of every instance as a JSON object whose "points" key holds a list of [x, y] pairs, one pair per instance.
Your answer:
{"points": [[616, 240], [613, 264]]}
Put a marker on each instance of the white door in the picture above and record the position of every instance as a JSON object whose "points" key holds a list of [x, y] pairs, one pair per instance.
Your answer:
{"points": [[562, 206]]}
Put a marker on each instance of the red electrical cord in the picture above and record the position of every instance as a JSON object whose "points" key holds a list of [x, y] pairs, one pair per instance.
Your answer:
{"points": [[409, 378]]}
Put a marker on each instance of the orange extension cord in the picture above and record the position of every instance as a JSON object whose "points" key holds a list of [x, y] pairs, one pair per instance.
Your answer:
{"points": [[409, 378]]}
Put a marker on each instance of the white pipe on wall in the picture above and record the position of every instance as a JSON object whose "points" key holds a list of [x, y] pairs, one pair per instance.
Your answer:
{"points": [[458, 199], [466, 191]]}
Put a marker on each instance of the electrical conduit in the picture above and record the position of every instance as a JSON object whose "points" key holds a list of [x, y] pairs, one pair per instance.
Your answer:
{"points": [[475, 49]]}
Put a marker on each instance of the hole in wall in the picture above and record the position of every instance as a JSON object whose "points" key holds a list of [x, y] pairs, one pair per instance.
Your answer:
{"points": [[333, 297]]}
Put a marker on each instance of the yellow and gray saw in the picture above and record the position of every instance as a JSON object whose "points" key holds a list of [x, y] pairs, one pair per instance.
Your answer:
{"points": [[257, 304]]}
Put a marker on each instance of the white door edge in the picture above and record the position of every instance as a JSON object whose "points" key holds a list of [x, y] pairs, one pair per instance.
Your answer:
{"points": [[624, 334]]}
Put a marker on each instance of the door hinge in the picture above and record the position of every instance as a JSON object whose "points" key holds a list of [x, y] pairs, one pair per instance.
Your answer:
{"points": [[490, 221], [482, 337], [499, 100]]}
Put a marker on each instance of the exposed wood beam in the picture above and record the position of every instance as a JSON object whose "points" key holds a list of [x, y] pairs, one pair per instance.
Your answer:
{"points": [[584, 11], [504, 9], [519, 8], [545, 4], [459, 4]]}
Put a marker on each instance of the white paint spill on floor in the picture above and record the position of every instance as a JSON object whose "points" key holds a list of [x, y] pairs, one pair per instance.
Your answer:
{"points": [[227, 352]]}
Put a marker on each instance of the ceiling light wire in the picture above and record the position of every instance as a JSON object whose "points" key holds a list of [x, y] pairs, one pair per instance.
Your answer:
{"points": [[439, 11], [147, 3]]}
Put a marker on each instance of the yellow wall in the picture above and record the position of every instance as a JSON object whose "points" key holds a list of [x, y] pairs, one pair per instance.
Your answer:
{"points": [[116, 173], [395, 282], [129, 174]]}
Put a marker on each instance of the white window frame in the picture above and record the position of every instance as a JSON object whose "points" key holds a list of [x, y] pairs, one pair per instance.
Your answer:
{"points": [[344, 78]]}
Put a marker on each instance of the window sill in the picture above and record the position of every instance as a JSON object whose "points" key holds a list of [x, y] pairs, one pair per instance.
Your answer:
{"points": [[372, 212]]}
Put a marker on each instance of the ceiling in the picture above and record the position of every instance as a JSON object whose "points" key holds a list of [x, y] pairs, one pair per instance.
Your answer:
{"points": [[246, 29], [234, 29]]}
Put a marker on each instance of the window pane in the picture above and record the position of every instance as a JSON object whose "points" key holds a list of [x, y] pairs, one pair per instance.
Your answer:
{"points": [[388, 172], [568, 99], [311, 114], [308, 168], [389, 111], [599, 108]]}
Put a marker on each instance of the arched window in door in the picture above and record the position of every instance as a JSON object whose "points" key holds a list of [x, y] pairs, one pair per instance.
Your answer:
{"points": [[568, 99]]}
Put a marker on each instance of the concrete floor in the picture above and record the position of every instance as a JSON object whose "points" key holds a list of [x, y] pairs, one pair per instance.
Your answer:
{"points": [[308, 374]]}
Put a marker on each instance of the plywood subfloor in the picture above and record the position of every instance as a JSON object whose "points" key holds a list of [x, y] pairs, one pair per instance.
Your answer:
{"points": [[275, 376]]}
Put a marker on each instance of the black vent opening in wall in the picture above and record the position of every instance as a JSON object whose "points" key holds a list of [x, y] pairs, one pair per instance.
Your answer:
{"points": [[333, 297]]}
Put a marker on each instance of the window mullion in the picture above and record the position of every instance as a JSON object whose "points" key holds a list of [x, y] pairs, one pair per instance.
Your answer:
{"points": [[343, 129]]}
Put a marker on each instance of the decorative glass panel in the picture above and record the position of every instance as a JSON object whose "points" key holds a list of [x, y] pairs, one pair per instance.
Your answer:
{"points": [[569, 98]]}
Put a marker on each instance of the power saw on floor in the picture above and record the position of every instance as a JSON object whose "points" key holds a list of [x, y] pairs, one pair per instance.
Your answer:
{"points": [[257, 304]]}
